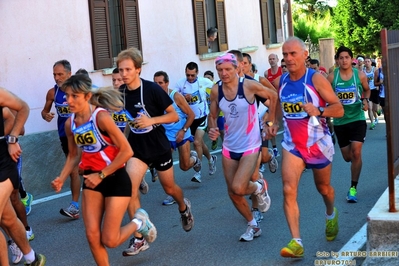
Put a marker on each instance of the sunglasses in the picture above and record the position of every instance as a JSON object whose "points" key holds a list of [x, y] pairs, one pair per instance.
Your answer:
{"points": [[190, 75], [283, 66]]}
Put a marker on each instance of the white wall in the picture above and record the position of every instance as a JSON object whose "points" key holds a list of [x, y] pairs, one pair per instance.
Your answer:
{"points": [[35, 34]]}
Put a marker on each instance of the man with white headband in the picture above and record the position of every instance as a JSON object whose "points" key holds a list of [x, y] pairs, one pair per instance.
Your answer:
{"points": [[236, 97]]}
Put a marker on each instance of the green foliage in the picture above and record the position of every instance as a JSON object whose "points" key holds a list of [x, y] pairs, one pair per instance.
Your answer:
{"points": [[313, 19], [358, 23]]}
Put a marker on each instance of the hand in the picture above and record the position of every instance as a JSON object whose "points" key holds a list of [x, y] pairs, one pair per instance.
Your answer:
{"points": [[142, 120], [49, 116], [269, 132], [15, 151], [311, 109], [180, 135], [213, 133], [188, 97], [92, 180], [57, 184], [365, 105]]}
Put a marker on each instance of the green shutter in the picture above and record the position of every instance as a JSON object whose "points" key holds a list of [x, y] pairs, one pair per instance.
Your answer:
{"points": [[264, 20], [200, 26], [221, 22]]}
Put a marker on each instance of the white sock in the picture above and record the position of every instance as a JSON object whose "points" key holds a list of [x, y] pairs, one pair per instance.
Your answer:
{"points": [[299, 241], [138, 222], [252, 222], [30, 257], [259, 189], [330, 217]]}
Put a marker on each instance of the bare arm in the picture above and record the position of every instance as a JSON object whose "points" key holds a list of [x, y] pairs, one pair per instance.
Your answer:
{"points": [[8, 118], [213, 114], [323, 86], [171, 116], [46, 115], [376, 74], [183, 105], [365, 84], [72, 159]]}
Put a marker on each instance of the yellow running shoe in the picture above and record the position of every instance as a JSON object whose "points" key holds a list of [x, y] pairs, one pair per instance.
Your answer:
{"points": [[332, 227], [292, 250]]}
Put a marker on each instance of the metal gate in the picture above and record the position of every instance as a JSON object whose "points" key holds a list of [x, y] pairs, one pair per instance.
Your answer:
{"points": [[390, 58]]}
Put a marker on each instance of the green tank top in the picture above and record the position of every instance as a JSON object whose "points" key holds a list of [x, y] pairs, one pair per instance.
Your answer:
{"points": [[349, 93]]}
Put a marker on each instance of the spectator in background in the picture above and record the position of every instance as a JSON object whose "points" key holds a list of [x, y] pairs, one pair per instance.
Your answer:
{"points": [[283, 66], [117, 80], [212, 34]]}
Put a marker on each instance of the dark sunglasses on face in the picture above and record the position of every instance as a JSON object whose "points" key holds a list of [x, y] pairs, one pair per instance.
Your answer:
{"points": [[283, 66], [190, 75]]}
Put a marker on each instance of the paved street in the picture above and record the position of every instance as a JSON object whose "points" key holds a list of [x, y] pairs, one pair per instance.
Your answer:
{"points": [[218, 226]]}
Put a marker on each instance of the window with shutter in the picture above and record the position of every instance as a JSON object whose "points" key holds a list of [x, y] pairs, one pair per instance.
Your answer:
{"points": [[207, 14], [270, 12], [115, 26]]}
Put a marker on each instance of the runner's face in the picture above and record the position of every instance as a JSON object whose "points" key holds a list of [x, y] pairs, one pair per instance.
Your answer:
{"points": [[367, 62], [60, 74], [246, 66], [272, 60], [76, 101], [294, 56], [345, 60], [191, 75], [227, 72], [117, 80], [160, 81], [128, 72]]}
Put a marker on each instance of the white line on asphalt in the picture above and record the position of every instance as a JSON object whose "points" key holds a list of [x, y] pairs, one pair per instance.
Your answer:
{"points": [[354, 244]]}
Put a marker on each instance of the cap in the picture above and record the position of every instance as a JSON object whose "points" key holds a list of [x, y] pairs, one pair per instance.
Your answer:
{"points": [[360, 59], [225, 58], [354, 61]]}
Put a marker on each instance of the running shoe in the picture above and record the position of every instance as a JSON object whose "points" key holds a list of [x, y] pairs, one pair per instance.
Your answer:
{"points": [[144, 187], [372, 126], [187, 218], [292, 250], [147, 229], [135, 247], [16, 253], [71, 211], [196, 178], [27, 201], [262, 168], [40, 260], [376, 121], [198, 163], [275, 152], [168, 201], [154, 174], [379, 112], [212, 165], [29, 234], [273, 164], [252, 232], [257, 215], [263, 197], [214, 144], [352, 195], [332, 227]]}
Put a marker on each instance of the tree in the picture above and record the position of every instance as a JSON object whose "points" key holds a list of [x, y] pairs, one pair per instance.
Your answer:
{"points": [[358, 23]]}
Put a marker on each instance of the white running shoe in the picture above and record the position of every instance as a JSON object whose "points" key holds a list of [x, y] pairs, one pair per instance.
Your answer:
{"points": [[252, 232], [196, 177], [212, 165]]}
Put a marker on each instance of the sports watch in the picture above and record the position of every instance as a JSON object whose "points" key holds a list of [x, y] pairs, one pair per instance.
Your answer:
{"points": [[11, 139]]}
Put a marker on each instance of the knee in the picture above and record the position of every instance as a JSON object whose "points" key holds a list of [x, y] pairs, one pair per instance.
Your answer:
{"points": [[93, 238], [290, 191], [198, 142], [324, 189], [109, 241], [237, 190], [14, 198]]}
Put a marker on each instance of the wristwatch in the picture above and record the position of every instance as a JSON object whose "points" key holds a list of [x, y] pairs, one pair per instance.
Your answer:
{"points": [[11, 139], [184, 129], [102, 175], [269, 123], [321, 110]]}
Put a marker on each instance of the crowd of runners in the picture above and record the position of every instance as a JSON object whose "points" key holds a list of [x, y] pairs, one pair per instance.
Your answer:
{"points": [[111, 136]]}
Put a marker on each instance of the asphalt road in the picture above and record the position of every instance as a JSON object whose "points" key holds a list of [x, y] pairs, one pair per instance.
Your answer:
{"points": [[218, 226]]}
